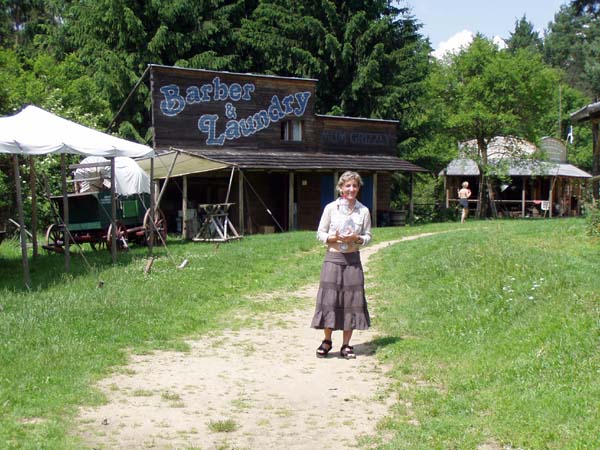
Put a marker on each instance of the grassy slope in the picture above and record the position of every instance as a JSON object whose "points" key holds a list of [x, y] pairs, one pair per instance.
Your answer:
{"points": [[494, 332], [476, 359], [56, 340]]}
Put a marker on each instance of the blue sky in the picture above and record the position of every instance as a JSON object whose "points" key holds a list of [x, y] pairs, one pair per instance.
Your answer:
{"points": [[443, 19]]}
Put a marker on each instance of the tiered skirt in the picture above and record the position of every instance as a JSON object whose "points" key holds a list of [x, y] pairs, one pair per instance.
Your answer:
{"points": [[341, 302]]}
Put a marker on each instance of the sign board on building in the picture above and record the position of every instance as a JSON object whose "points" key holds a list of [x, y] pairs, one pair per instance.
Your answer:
{"points": [[205, 109]]}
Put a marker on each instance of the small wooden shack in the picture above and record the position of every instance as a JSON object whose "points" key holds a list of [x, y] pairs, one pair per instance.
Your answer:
{"points": [[532, 187], [286, 158]]}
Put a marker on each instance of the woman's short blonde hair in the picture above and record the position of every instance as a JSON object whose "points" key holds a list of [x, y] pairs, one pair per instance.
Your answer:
{"points": [[465, 184], [347, 176]]}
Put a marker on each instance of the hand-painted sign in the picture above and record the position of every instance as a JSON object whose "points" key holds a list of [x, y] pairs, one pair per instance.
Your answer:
{"points": [[174, 103], [355, 138]]}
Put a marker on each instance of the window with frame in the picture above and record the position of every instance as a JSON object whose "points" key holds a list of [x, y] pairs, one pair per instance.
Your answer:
{"points": [[291, 130]]}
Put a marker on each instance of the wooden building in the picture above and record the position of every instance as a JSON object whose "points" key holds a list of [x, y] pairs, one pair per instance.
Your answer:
{"points": [[545, 186], [255, 141]]}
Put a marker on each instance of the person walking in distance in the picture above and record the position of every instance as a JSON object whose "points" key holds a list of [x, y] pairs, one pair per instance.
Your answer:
{"points": [[463, 199], [344, 227]]}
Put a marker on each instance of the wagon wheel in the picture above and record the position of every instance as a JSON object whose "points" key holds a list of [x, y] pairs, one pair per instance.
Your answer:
{"points": [[160, 227], [121, 237], [55, 238]]}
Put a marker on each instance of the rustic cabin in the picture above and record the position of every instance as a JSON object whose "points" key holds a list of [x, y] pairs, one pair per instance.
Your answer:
{"points": [[251, 148], [537, 182]]}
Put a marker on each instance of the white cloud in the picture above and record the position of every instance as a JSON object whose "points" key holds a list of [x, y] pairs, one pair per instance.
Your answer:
{"points": [[499, 42], [454, 44], [459, 41]]}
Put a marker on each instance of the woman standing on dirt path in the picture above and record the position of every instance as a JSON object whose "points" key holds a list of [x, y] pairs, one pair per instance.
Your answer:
{"points": [[341, 304]]}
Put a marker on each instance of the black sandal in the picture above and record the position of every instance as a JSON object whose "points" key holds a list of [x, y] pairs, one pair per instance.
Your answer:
{"points": [[322, 351], [347, 352]]}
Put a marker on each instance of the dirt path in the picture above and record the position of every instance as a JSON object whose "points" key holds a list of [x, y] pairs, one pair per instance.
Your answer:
{"points": [[256, 388]]}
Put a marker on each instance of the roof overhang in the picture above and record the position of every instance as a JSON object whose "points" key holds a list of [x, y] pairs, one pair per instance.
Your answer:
{"points": [[523, 168], [176, 163], [290, 161], [589, 112]]}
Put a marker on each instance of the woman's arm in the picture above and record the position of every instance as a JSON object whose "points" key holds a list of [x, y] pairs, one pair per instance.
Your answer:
{"points": [[324, 224], [365, 236]]}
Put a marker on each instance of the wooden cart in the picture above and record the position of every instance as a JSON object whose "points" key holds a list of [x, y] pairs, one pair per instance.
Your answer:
{"points": [[90, 221]]}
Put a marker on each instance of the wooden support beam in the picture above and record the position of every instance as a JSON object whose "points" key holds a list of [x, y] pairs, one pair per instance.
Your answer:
{"points": [[374, 212], [241, 201], [291, 182], [523, 196]]}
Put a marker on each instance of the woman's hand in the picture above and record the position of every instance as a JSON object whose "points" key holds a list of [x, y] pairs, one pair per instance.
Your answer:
{"points": [[351, 238]]}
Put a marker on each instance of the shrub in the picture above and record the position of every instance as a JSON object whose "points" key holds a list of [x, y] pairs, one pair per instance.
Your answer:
{"points": [[593, 220]]}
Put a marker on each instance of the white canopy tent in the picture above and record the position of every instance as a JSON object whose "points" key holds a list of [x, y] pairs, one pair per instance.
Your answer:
{"points": [[34, 131]]}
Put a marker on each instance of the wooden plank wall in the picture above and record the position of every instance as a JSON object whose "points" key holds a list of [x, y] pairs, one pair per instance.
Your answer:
{"points": [[184, 101]]}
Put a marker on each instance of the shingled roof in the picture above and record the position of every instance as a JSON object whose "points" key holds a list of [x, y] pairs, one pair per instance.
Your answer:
{"points": [[308, 161]]}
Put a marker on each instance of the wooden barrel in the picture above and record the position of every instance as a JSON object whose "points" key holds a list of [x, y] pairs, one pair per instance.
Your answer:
{"points": [[397, 218]]}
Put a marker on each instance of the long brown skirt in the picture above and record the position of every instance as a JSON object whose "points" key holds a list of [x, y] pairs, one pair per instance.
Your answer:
{"points": [[341, 302]]}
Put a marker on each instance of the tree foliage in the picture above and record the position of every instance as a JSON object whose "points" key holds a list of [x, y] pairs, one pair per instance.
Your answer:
{"points": [[490, 92], [573, 44], [524, 37], [81, 59]]}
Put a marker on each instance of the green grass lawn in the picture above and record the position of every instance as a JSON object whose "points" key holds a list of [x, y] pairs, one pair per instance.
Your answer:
{"points": [[491, 329], [493, 336]]}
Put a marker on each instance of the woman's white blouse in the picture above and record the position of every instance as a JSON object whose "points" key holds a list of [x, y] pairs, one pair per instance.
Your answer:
{"points": [[333, 218]]}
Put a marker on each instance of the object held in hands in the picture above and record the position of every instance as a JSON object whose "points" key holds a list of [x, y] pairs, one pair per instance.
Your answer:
{"points": [[346, 228]]}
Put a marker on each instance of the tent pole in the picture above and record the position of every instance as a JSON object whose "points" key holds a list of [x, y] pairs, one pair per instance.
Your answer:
{"points": [[184, 204], [164, 186], [63, 176], [230, 183], [34, 218], [26, 274], [113, 213], [264, 206], [127, 99], [150, 241]]}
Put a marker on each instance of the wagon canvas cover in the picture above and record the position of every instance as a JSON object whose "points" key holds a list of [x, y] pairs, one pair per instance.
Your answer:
{"points": [[130, 177]]}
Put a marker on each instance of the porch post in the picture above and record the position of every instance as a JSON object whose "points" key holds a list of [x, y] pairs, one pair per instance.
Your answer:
{"points": [[523, 197], [595, 159], [241, 201], [291, 225], [447, 191], [411, 202], [336, 175], [375, 199]]}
